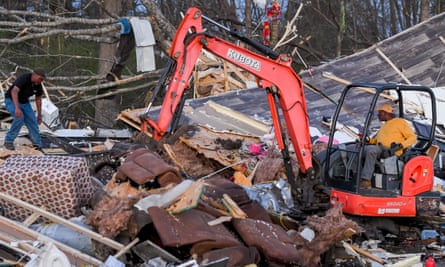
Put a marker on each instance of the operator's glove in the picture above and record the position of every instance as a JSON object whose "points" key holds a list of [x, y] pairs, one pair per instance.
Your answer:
{"points": [[395, 147]]}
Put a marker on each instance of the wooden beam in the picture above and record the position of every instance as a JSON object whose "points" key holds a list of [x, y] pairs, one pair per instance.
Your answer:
{"points": [[219, 220], [415, 106], [10, 225], [126, 248], [237, 72], [233, 208], [226, 80], [239, 116], [235, 83], [392, 65], [32, 218], [57, 219], [133, 124], [367, 254], [331, 76], [442, 39]]}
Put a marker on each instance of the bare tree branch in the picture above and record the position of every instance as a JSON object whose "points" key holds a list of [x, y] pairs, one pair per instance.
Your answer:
{"points": [[110, 93], [153, 74], [95, 31]]}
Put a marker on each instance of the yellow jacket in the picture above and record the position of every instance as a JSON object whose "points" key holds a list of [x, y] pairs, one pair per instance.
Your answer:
{"points": [[396, 130]]}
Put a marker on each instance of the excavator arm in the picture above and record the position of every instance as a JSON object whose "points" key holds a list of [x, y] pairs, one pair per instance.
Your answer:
{"points": [[274, 74]]}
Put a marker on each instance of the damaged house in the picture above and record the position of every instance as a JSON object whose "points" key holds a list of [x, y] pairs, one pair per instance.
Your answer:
{"points": [[216, 192]]}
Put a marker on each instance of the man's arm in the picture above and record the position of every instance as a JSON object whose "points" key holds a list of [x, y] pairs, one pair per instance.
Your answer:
{"points": [[410, 136], [39, 109], [15, 99]]}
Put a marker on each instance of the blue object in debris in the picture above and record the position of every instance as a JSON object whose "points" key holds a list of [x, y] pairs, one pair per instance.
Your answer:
{"points": [[125, 25], [429, 233]]}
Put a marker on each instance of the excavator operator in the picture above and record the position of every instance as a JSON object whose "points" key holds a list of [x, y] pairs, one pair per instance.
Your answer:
{"points": [[394, 136]]}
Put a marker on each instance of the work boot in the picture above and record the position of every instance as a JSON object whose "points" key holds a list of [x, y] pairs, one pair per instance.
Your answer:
{"points": [[9, 146], [365, 183]]}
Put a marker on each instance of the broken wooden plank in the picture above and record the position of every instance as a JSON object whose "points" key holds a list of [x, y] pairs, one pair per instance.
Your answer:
{"points": [[344, 128], [17, 232], [237, 84], [327, 75], [132, 114], [57, 219], [219, 220], [124, 116], [239, 116], [226, 81], [433, 151], [67, 147], [233, 208], [367, 254], [189, 199], [203, 141], [442, 40], [392, 65], [126, 248], [31, 219], [173, 157], [237, 72], [346, 82]]}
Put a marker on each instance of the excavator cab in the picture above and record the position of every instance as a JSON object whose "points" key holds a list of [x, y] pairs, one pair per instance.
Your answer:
{"points": [[401, 184]]}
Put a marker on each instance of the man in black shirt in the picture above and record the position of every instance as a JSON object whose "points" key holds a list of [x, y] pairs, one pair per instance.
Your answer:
{"points": [[17, 104]]}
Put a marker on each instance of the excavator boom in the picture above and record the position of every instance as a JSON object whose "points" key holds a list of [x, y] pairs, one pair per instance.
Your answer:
{"points": [[276, 76]]}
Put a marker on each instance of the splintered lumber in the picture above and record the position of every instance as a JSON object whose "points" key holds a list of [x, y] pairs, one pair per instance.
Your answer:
{"points": [[203, 141], [57, 219], [442, 39], [237, 72], [392, 65], [219, 220], [331, 76], [132, 115], [211, 74], [341, 127], [252, 173], [432, 152], [367, 254], [189, 199], [226, 81], [241, 179], [239, 116], [233, 208], [17, 232], [168, 149], [126, 248], [31, 219]]}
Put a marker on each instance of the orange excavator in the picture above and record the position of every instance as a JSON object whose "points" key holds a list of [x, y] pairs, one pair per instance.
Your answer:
{"points": [[285, 91]]}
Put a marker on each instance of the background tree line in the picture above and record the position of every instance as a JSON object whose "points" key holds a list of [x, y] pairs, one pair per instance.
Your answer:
{"points": [[76, 41]]}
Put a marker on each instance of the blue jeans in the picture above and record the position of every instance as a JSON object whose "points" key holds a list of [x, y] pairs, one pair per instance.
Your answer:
{"points": [[28, 118]]}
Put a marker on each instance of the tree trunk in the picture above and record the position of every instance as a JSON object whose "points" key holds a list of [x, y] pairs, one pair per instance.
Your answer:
{"points": [[424, 10], [248, 15], [107, 109], [341, 27], [162, 28]]}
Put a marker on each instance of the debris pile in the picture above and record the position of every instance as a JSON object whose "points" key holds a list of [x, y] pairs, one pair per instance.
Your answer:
{"points": [[208, 218]]}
